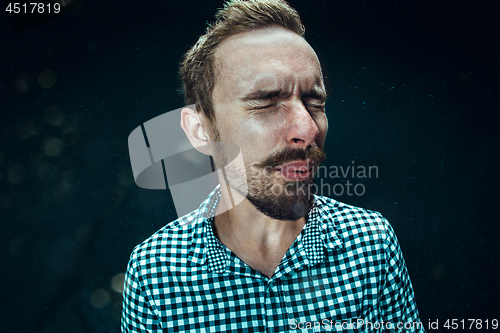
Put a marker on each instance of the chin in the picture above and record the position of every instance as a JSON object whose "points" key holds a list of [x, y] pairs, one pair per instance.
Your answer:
{"points": [[286, 203]]}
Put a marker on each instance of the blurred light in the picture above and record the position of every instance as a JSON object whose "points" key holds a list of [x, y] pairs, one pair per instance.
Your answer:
{"points": [[438, 272], [54, 115], [99, 298], [47, 79], [23, 132], [62, 190], [116, 310], [28, 128], [83, 234], [53, 147], [22, 83], [70, 136], [117, 282], [46, 172], [16, 173]]}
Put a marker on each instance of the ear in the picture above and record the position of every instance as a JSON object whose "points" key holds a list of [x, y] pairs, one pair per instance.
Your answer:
{"points": [[193, 124]]}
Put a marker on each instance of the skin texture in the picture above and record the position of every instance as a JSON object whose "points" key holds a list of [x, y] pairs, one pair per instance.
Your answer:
{"points": [[269, 100]]}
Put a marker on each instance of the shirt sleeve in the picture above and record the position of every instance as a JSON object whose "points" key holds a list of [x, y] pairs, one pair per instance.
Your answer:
{"points": [[397, 301], [137, 314]]}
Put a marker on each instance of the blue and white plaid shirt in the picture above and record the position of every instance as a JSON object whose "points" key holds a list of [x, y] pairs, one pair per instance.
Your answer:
{"points": [[345, 272]]}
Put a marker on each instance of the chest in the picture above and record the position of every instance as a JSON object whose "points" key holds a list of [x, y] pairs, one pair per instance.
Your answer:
{"points": [[263, 263], [236, 301]]}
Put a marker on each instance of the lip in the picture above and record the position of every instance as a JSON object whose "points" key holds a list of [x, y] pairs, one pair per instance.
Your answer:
{"points": [[296, 170]]}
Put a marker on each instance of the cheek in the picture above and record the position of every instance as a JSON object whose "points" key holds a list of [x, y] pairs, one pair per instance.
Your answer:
{"points": [[267, 131], [322, 123], [256, 137]]}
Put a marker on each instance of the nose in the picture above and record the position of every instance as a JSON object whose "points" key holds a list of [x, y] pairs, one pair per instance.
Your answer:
{"points": [[303, 128]]}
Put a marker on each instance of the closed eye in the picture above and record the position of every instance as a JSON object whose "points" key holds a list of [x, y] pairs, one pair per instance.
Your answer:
{"points": [[316, 107], [264, 107]]}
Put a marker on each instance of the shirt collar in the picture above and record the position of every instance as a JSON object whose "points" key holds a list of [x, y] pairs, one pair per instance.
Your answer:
{"points": [[320, 233]]}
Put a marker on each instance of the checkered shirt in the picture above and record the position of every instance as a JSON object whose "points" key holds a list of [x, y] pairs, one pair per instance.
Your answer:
{"points": [[344, 272]]}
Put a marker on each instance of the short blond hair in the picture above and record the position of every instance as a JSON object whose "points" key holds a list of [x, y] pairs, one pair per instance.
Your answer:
{"points": [[197, 69]]}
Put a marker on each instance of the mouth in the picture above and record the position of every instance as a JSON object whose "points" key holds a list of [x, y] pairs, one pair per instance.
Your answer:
{"points": [[296, 170]]}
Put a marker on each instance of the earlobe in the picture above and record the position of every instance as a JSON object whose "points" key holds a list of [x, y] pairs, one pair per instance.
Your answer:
{"points": [[192, 124]]}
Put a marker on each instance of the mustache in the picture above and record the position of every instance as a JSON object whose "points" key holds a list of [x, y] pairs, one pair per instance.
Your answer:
{"points": [[285, 155]]}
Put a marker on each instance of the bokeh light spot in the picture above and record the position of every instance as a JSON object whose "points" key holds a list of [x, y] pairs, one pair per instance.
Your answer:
{"points": [[16, 173], [117, 282], [28, 128], [84, 234], [116, 310], [99, 298], [47, 79], [46, 172], [22, 83], [438, 272], [54, 115], [70, 136], [62, 190], [53, 147]]}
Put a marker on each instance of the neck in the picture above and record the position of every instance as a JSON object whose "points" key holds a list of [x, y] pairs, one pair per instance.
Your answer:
{"points": [[257, 239], [245, 223]]}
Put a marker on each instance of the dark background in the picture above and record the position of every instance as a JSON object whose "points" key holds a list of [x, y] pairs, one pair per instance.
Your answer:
{"points": [[414, 88]]}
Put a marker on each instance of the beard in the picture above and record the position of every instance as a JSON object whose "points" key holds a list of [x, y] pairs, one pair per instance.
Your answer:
{"points": [[286, 202], [275, 196]]}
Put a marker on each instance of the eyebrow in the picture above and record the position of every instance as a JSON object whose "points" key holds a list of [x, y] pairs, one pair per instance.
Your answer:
{"points": [[265, 94], [318, 94]]}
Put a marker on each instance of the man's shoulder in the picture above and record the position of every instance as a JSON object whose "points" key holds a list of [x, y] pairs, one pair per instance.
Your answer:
{"points": [[174, 239], [349, 219]]}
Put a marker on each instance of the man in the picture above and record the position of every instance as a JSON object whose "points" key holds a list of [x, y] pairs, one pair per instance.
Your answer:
{"points": [[283, 259]]}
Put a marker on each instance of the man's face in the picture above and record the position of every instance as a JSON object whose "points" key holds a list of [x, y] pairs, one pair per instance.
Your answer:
{"points": [[269, 100]]}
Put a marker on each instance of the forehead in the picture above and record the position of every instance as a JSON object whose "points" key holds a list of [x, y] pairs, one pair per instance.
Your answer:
{"points": [[265, 57]]}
